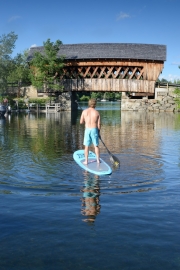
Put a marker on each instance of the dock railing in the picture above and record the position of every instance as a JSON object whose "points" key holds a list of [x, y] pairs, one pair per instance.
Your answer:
{"points": [[48, 107], [53, 107]]}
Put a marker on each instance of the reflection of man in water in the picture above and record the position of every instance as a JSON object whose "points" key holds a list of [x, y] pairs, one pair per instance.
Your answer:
{"points": [[90, 200]]}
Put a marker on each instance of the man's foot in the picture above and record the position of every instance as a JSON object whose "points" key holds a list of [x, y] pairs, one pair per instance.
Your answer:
{"points": [[98, 161], [85, 163]]}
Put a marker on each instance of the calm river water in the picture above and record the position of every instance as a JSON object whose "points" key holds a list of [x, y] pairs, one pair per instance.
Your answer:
{"points": [[54, 215]]}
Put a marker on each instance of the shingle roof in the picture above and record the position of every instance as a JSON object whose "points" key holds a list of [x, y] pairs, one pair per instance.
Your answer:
{"points": [[109, 51]]}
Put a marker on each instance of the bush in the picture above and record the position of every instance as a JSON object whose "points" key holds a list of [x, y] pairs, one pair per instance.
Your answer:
{"points": [[39, 101], [177, 99], [84, 98]]}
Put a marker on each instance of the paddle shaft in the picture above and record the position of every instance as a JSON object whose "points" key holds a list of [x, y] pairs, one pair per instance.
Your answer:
{"points": [[113, 158], [105, 145]]}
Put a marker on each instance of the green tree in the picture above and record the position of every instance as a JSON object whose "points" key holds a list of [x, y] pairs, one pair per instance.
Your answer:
{"points": [[164, 80], [84, 98], [97, 95], [118, 95], [177, 99], [177, 81], [7, 44], [177, 92], [110, 95], [46, 68], [19, 71]]}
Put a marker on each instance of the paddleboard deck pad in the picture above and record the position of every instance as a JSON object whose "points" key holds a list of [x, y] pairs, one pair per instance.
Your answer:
{"points": [[92, 166]]}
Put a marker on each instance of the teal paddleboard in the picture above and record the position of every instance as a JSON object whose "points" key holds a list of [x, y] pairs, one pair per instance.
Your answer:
{"points": [[92, 166]]}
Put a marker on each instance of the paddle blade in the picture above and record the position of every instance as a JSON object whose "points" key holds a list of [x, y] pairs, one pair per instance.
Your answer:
{"points": [[114, 160]]}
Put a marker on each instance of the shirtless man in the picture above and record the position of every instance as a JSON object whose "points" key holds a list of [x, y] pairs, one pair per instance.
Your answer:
{"points": [[91, 118]]}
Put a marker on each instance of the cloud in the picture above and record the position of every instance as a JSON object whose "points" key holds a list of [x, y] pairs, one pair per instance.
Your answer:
{"points": [[123, 16], [14, 18], [170, 77], [175, 63], [33, 45]]}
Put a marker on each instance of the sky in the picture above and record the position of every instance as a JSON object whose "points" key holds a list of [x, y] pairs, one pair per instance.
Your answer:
{"points": [[96, 21]]}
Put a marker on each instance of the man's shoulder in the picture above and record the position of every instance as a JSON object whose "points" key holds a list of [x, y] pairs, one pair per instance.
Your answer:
{"points": [[85, 110], [97, 112]]}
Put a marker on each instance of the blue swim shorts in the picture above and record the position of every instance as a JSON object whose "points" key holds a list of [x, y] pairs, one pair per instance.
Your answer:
{"points": [[91, 135]]}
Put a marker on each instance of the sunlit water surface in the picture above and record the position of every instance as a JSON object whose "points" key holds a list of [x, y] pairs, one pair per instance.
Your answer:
{"points": [[54, 215]]}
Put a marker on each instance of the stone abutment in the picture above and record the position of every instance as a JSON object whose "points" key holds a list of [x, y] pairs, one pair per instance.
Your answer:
{"points": [[164, 101]]}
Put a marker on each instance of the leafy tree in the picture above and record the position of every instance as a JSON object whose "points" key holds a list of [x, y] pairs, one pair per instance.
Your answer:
{"points": [[177, 99], [97, 95], [20, 71], [84, 98], [176, 81], [118, 95], [7, 44], [164, 80], [46, 68], [110, 95]]}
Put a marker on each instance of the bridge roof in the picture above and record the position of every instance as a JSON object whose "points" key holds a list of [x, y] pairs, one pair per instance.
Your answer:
{"points": [[109, 51]]}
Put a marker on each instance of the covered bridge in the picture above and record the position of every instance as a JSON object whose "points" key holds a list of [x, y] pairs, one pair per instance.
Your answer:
{"points": [[121, 67]]}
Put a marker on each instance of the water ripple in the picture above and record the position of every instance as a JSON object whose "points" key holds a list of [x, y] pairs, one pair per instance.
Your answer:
{"points": [[35, 175]]}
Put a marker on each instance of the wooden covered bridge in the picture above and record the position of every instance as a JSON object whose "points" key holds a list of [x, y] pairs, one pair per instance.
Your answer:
{"points": [[121, 67]]}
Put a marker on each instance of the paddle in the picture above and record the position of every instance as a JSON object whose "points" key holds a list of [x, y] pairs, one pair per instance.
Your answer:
{"points": [[114, 160]]}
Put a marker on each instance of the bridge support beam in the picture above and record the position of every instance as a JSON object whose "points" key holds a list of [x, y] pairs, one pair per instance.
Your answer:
{"points": [[74, 104], [67, 101]]}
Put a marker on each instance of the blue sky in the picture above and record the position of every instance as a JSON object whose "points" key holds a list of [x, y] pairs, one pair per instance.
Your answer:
{"points": [[96, 21]]}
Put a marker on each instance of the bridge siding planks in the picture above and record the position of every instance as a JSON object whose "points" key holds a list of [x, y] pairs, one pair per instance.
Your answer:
{"points": [[150, 73], [114, 85]]}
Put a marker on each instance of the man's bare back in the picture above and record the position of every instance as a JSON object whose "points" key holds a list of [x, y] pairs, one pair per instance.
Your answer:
{"points": [[91, 118]]}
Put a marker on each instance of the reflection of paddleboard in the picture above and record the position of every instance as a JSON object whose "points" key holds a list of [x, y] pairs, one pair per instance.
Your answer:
{"points": [[92, 166]]}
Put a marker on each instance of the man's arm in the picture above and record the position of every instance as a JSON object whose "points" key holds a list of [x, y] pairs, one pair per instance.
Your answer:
{"points": [[82, 121], [99, 123]]}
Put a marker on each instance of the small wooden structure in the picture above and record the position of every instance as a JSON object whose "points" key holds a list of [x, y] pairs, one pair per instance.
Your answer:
{"points": [[121, 67], [55, 107]]}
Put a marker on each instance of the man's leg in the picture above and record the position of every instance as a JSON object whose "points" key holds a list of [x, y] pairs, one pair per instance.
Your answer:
{"points": [[86, 152], [95, 140], [86, 145], [97, 151]]}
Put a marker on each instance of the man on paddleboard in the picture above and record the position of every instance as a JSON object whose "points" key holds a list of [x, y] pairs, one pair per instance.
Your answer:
{"points": [[91, 118]]}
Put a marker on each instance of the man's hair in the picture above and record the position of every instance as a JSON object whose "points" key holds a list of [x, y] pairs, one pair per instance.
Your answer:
{"points": [[92, 103]]}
